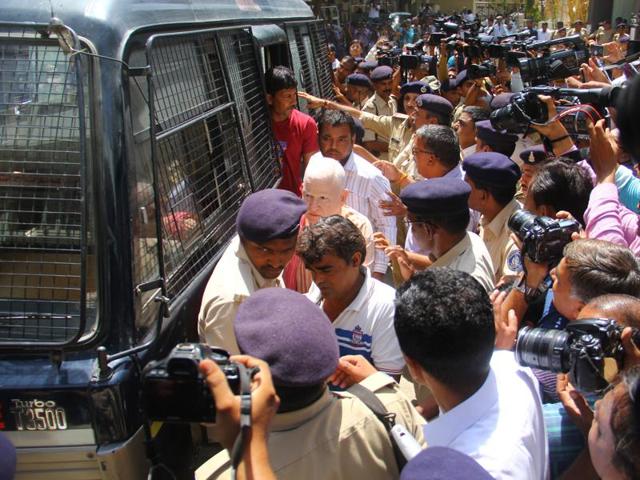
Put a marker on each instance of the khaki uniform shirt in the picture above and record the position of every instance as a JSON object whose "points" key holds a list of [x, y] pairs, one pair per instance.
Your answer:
{"points": [[470, 255], [335, 438], [397, 128], [496, 234], [395, 401], [232, 281], [583, 33], [377, 106]]}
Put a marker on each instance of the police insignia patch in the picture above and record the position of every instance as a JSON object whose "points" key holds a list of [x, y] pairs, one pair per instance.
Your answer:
{"points": [[356, 335], [514, 261]]}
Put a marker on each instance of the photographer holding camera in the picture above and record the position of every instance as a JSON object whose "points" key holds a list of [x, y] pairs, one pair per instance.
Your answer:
{"points": [[264, 405]]}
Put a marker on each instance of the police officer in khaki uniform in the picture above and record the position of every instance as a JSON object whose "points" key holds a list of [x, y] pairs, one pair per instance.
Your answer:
{"points": [[316, 434], [493, 178], [397, 127], [438, 210], [359, 89], [380, 103], [267, 226]]}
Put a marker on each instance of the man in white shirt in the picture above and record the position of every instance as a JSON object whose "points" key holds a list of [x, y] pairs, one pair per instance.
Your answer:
{"points": [[544, 34], [490, 407], [359, 307], [365, 183]]}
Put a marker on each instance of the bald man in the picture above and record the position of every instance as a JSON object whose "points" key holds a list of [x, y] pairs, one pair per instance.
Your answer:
{"points": [[323, 189]]}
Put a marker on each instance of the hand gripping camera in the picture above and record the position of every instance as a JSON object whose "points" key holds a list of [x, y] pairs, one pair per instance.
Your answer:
{"points": [[543, 238], [175, 390], [581, 350]]}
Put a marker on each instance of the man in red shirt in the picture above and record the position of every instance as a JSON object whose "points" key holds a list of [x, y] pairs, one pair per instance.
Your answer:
{"points": [[295, 132]]}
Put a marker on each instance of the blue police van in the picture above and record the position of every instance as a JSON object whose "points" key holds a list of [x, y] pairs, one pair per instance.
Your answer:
{"points": [[130, 133]]}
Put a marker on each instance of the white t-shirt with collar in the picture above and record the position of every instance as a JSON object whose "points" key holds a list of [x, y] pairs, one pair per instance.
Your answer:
{"points": [[365, 327]]}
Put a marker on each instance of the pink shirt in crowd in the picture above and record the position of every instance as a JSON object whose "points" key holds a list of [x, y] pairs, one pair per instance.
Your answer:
{"points": [[607, 219]]}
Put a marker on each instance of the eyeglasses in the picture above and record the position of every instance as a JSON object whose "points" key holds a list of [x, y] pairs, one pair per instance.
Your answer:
{"points": [[415, 151]]}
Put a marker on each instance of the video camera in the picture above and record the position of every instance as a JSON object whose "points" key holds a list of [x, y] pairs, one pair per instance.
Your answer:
{"points": [[174, 390], [579, 350], [416, 58], [389, 57], [554, 65], [485, 69], [543, 238], [526, 108]]}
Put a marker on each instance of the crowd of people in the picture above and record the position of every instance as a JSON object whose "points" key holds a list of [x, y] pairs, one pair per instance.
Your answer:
{"points": [[413, 244]]}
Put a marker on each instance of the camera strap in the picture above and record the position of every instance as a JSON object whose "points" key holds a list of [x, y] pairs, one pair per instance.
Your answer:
{"points": [[245, 416]]}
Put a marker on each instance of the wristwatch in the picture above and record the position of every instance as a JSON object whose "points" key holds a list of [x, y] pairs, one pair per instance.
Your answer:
{"points": [[531, 293]]}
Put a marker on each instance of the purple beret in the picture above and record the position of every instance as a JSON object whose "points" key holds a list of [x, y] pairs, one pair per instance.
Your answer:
{"points": [[414, 87], [501, 100], [359, 80], [534, 155], [269, 214], [436, 197], [448, 85], [382, 72], [491, 169], [368, 65], [495, 138], [439, 463], [435, 104], [289, 332], [462, 77]]}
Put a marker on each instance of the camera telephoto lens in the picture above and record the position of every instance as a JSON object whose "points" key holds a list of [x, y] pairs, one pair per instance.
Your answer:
{"points": [[543, 348], [520, 221], [532, 69]]}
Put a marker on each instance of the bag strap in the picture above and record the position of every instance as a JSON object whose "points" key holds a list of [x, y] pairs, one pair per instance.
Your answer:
{"points": [[387, 418]]}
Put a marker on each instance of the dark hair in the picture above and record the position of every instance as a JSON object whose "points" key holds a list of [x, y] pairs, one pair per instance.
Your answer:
{"points": [[331, 235], [350, 59], [279, 78], [335, 118], [331, 47], [597, 267], [627, 117], [477, 113], [502, 195], [444, 321], [506, 149], [564, 185], [452, 223], [625, 424], [443, 119], [443, 141]]}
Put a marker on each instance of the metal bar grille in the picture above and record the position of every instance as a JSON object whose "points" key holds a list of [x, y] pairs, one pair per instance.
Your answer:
{"points": [[42, 196], [246, 84], [199, 163], [321, 57], [305, 67]]}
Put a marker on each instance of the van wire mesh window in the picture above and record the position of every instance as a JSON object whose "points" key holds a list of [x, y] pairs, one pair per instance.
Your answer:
{"points": [[321, 57], [243, 68], [200, 162], [42, 197]]}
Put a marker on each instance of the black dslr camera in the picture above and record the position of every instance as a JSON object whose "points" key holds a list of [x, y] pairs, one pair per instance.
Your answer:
{"points": [[543, 238], [580, 350], [174, 390]]}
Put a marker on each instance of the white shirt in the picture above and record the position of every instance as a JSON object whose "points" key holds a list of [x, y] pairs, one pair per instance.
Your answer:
{"points": [[365, 327], [468, 151], [501, 426], [367, 186], [544, 36]]}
